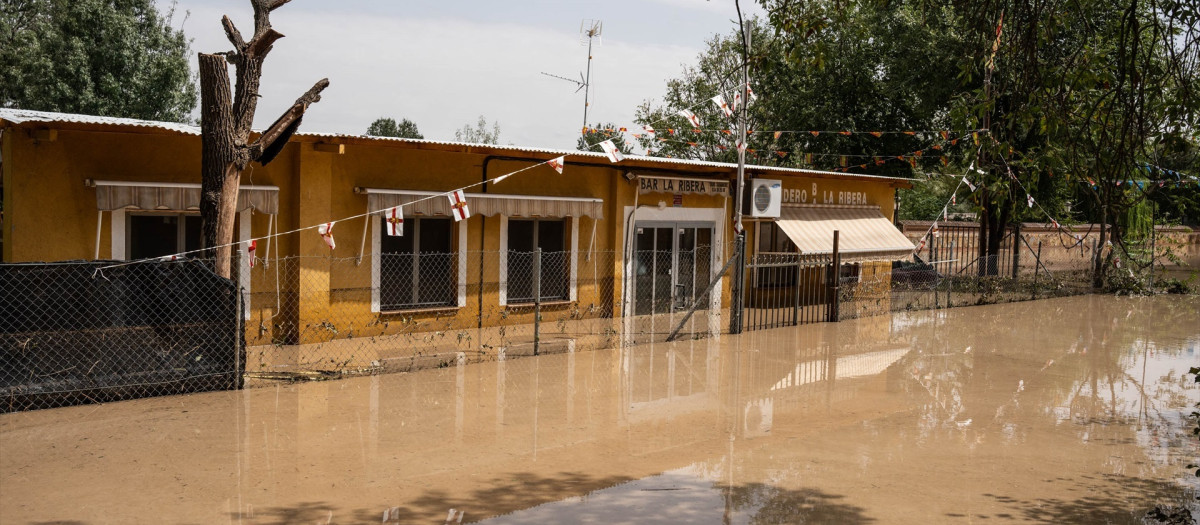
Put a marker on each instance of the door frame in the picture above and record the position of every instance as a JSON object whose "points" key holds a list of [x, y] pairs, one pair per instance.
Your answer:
{"points": [[693, 217]]}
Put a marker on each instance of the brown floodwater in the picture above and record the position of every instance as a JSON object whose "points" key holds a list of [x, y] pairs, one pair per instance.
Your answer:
{"points": [[1070, 410]]}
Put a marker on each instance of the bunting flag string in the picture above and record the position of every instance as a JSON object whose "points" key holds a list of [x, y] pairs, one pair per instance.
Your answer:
{"points": [[250, 248], [777, 134]]}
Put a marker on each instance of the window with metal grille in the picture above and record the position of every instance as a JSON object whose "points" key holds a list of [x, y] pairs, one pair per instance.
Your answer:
{"points": [[417, 269], [523, 237]]}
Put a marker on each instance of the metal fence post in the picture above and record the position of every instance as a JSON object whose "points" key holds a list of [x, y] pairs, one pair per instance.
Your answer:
{"points": [[1037, 266], [738, 285], [949, 277], [835, 274], [537, 298], [796, 285], [1016, 249]]}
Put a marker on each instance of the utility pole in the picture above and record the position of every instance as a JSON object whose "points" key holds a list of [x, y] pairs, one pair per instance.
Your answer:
{"points": [[735, 311]]}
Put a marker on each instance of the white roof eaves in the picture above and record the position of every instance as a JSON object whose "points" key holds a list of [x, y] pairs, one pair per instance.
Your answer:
{"points": [[22, 116]]}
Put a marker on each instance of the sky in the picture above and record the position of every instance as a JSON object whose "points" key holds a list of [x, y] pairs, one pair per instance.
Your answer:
{"points": [[442, 64]]}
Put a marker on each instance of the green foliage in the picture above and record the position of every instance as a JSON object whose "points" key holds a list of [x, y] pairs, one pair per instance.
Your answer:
{"points": [[1084, 90], [871, 71], [480, 134], [387, 127], [599, 133], [117, 58]]}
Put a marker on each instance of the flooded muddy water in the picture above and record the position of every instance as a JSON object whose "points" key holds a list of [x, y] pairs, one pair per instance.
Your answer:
{"points": [[1068, 410]]}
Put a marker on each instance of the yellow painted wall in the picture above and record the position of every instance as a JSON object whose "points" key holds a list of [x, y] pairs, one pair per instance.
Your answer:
{"points": [[51, 215]]}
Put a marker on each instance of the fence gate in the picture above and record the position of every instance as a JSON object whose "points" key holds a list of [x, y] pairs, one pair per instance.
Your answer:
{"points": [[788, 289], [72, 335], [954, 251]]}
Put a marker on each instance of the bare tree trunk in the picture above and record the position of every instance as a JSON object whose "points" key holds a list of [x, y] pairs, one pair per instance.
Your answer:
{"points": [[219, 175], [225, 127]]}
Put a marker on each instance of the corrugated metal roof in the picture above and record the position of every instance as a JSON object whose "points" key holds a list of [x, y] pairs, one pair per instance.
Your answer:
{"points": [[666, 161], [19, 116]]}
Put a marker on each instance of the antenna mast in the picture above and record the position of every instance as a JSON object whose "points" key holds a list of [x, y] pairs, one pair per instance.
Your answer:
{"points": [[591, 29]]}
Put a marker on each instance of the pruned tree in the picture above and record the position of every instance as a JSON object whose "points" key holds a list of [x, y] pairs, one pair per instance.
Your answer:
{"points": [[226, 118]]}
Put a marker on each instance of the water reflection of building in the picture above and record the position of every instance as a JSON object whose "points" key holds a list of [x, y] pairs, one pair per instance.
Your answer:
{"points": [[643, 410]]}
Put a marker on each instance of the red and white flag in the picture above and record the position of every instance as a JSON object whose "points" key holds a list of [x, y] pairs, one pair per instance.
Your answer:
{"points": [[946, 214], [394, 219], [953, 199], [611, 150], [1029, 200], [719, 100], [250, 252], [557, 164], [691, 117], [649, 129], [1055, 224], [326, 231], [753, 97], [737, 99], [458, 203], [969, 185]]}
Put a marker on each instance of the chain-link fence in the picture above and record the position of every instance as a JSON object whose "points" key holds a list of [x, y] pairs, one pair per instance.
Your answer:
{"points": [[71, 333], [312, 317]]}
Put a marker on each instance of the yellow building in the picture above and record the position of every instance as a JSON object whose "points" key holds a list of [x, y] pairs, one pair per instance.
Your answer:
{"points": [[641, 236]]}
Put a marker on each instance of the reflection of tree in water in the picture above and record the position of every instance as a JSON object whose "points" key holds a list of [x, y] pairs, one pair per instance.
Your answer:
{"points": [[771, 504], [1101, 365]]}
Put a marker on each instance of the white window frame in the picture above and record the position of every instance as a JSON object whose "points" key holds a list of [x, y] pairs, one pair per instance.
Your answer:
{"points": [[572, 225], [119, 250], [378, 227]]}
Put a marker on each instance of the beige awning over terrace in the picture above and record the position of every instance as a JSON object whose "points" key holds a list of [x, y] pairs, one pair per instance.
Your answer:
{"points": [[865, 234], [428, 203]]}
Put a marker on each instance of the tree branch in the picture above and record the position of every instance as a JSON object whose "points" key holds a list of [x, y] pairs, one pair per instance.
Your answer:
{"points": [[261, 45], [231, 32], [276, 135], [277, 4]]}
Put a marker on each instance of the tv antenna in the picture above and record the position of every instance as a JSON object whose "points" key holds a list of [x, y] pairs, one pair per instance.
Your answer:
{"points": [[589, 30]]}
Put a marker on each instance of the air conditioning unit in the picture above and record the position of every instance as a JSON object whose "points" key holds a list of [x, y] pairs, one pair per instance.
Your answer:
{"points": [[763, 198]]}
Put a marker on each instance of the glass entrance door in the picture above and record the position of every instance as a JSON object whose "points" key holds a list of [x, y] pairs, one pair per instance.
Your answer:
{"points": [[672, 263]]}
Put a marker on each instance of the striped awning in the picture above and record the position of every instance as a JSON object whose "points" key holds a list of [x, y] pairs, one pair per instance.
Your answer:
{"points": [[430, 203], [864, 233], [176, 196]]}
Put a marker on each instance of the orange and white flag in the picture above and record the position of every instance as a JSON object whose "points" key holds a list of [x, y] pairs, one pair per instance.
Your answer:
{"points": [[326, 231], [691, 117], [394, 218], [557, 164], [458, 203], [719, 100], [610, 149]]}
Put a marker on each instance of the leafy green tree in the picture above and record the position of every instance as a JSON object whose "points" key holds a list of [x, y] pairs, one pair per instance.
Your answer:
{"points": [[117, 58], [480, 134], [601, 132], [1080, 91], [862, 78], [387, 127]]}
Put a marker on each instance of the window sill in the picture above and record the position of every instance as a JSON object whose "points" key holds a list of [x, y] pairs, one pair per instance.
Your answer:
{"points": [[425, 310], [557, 302]]}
